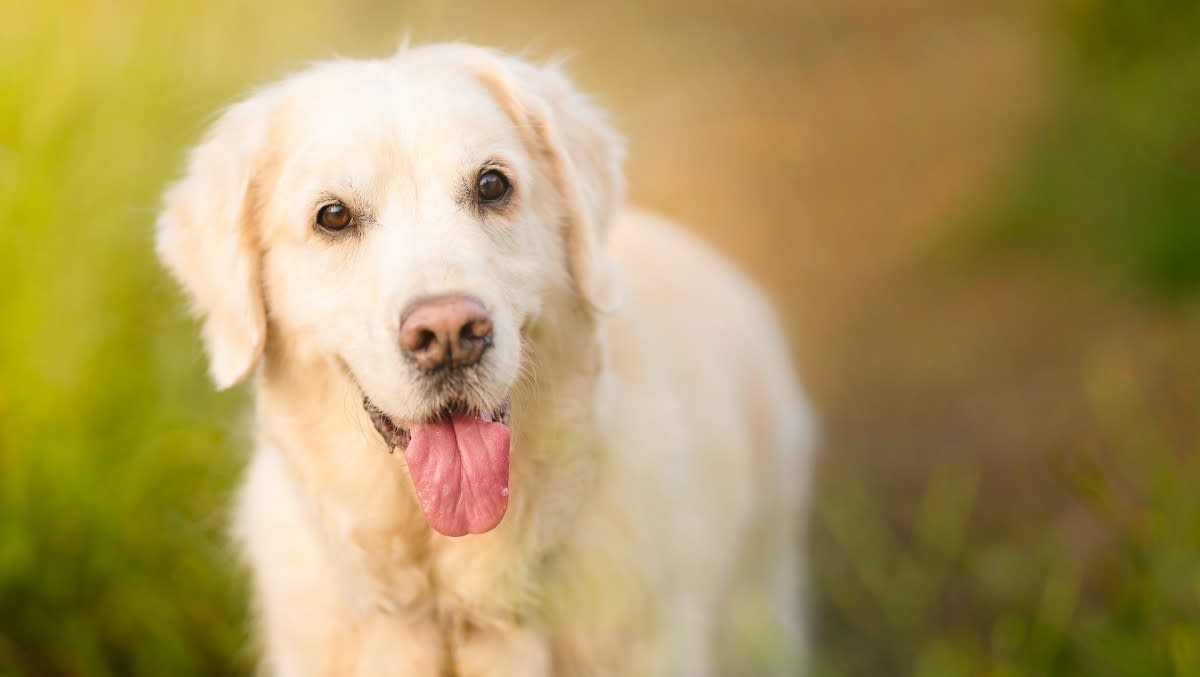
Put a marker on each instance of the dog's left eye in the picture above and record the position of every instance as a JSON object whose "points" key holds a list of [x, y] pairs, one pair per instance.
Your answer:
{"points": [[493, 187], [334, 217]]}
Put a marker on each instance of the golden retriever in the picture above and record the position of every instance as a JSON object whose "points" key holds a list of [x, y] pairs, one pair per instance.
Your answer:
{"points": [[505, 426]]}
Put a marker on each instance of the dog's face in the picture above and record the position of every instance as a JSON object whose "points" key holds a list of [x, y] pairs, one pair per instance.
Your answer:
{"points": [[404, 219], [396, 187]]}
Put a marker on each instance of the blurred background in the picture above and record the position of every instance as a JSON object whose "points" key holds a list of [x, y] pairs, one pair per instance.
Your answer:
{"points": [[981, 220]]}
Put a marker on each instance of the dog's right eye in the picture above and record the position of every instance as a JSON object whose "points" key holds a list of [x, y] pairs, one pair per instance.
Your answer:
{"points": [[493, 187], [334, 217]]}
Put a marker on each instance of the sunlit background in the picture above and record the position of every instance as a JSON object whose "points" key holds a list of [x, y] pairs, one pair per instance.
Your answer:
{"points": [[981, 220]]}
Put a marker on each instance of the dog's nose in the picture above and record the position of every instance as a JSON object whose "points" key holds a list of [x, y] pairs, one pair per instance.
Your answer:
{"points": [[445, 331]]}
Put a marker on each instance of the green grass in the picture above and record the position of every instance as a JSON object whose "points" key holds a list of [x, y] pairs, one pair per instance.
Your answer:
{"points": [[947, 593]]}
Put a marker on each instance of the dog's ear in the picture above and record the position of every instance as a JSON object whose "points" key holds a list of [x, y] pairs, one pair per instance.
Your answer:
{"points": [[583, 154], [206, 238]]}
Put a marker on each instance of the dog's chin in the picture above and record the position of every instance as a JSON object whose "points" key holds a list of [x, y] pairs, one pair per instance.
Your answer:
{"points": [[397, 432]]}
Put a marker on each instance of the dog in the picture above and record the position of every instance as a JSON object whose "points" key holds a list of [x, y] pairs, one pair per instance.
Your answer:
{"points": [[505, 424]]}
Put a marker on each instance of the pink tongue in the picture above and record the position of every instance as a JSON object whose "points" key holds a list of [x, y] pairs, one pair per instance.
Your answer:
{"points": [[459, 469]]}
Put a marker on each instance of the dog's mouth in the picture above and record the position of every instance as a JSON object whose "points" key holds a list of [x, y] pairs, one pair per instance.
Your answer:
{"points": [[458, 461], [397, 435]]}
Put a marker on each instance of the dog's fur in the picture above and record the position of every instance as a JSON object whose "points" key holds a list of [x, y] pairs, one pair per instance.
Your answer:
{"points": [[660, 461]]}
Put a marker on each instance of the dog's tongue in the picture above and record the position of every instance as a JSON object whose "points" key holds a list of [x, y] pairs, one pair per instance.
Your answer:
{"points": [[459, 469]]}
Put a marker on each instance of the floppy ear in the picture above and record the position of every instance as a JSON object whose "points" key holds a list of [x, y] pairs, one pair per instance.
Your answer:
{"points": [[583, 154], [206, 239]]}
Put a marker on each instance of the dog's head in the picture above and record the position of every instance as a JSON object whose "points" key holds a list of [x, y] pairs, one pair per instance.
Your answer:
{"points": [[406, 219]]}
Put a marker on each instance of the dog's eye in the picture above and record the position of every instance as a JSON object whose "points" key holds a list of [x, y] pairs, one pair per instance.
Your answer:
{"points": [[334, 217], [493, 186]]}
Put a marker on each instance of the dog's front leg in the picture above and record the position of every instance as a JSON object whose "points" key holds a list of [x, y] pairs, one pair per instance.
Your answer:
{"points": [[391, 646], [321, 640], [501, 651]]}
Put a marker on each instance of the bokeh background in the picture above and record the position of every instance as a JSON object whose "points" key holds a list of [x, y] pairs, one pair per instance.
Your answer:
{"points": [[981, 220]]}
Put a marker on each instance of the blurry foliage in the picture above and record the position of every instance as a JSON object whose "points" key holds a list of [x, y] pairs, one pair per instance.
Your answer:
{"points": [[1114, 175], [1111, 179], [943, 595], [116, 458], [115, 461]]}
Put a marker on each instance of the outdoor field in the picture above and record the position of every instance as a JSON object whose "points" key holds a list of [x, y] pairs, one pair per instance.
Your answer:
{"points": [[980, 220]]}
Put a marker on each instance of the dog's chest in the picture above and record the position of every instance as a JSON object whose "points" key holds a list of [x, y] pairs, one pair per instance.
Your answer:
{"points": [[398, 566]]}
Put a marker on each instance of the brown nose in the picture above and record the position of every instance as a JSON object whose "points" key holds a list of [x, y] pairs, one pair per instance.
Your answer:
{"points": [[445, 331]]}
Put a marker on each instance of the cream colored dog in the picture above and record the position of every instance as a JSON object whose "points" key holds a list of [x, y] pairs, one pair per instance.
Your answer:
{"points": [[600, 453]]}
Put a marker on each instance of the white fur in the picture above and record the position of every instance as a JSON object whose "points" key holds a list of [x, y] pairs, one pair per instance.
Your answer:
{"points": [[660, 461]]}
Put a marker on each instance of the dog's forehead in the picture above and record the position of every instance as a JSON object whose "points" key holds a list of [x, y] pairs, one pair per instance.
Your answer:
{"points": [[393, 109]]}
